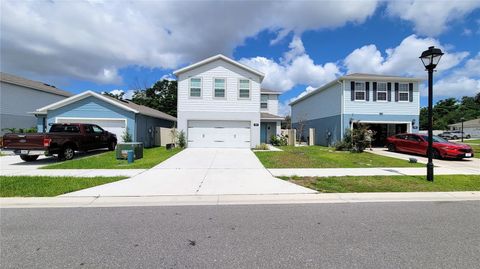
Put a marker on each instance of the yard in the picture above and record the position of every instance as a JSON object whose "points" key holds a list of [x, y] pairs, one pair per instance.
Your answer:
{"points": [[40, 186], [389, 183], [107, 160], [325, 157]]}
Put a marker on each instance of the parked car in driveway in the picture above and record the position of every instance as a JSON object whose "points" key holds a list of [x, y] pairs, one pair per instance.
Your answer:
{"points": [[63, 139], [454, 135], [417, 144]]}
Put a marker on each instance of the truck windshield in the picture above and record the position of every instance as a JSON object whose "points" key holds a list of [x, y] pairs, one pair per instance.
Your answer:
{"points": [[64, 129]]}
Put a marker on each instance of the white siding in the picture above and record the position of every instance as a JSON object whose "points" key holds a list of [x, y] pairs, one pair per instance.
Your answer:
{"points": [[272, 104], [323, 104], [376, 107]]}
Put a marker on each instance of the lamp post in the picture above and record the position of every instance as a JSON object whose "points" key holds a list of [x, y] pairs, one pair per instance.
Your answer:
{"points": [[430, 59], [462, 119]]}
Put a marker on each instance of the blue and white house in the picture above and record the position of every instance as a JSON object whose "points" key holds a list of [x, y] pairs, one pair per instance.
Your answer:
{"points": [[113, 115], [387, 104]]}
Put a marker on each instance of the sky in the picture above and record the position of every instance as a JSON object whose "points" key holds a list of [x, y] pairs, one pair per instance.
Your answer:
{"points": [[124, 45]]}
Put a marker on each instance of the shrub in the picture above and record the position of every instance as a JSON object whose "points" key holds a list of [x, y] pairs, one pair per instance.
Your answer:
{"points": [[278, 140], [182, 142], [354, 140], [262, 146], [126, 136]]}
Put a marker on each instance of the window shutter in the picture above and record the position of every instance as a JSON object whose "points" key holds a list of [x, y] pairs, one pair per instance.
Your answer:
{"points": [[389, 91], [396, 92], [410, 92], [374, 91], [367, 91], [352, 90]]}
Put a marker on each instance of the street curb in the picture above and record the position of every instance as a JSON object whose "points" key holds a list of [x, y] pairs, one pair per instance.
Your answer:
{"points": [[191, 200]]}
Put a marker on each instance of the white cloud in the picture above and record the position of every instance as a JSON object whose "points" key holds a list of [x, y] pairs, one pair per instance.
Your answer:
{"points": [[402, 60], [91, 40], [126, 94], [431, 18], [295, 67], [464, 81]]}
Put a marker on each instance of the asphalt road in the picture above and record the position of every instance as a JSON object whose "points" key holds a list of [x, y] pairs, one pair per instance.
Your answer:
{"points": [[361, 235]]}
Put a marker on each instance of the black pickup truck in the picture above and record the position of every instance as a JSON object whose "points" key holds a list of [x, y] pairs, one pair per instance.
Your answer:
{"points": [[62, 140]]}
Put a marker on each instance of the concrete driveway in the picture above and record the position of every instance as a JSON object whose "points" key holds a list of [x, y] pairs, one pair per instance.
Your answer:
{"points": [[196, 171]]}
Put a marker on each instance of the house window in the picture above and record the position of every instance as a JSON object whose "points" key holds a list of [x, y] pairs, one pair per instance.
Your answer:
{"points": [[381, 91], [359, 91], [244, 88], [403, 92], [264, 101], [219, 88], [195, 87]]}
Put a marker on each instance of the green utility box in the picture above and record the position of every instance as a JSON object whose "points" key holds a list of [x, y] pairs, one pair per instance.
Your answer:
{"points": [[123, 148]]}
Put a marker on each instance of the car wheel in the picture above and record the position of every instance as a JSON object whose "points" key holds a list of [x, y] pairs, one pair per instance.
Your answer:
{"points": [[391, 147], [29, 158], [111, 145], [67, 154], [468, 137], [455, 137], [436, 154]]}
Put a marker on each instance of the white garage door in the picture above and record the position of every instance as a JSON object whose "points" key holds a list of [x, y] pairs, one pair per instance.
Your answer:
{"points": [[219, 134], [114, 126]]}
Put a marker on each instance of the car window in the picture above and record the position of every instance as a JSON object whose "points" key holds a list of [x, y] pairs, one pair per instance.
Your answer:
{"points": [[88, 129], [60, 128], [400, 136], [437, 139], [414, 138], [97, 129]]}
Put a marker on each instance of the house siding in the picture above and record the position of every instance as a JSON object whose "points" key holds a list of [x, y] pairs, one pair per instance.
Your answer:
{"points": [[92, 107], [16, 101], [326, 103], [375, 107], [231, 107], [272, 104], [145, 128], [328, 130]]}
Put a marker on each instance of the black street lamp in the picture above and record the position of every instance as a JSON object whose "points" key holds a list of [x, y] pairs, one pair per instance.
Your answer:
{"points": [[430, 59], [462, 119]]}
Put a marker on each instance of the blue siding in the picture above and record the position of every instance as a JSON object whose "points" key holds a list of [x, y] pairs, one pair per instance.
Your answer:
{"points": [[145, 128], [92, 107], [40, 123], [327, 130]]}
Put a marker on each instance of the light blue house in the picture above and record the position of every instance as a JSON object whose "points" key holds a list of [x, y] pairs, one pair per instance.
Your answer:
{"points": [[113, 115], [387, 104]]}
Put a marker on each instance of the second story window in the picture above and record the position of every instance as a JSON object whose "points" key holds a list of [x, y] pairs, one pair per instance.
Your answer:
{"points": [[403, 92], [264, 101], [360, 91], [244, 89], [195, 87], [381, 91], [219, 88]]}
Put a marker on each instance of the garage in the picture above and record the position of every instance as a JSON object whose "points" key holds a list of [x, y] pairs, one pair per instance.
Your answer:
{"points": [[114, 126], [218, 134], [383, 130]]}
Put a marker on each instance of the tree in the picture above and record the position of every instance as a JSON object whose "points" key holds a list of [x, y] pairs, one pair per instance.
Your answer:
{"points": [[118, 95], [477, 98], [287, 123], [161, 96]]}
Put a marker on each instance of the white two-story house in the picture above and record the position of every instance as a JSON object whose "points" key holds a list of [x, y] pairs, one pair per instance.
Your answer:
{"points": [[387, 104], [221, 104]]}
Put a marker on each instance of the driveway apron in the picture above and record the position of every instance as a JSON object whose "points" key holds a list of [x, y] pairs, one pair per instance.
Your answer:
{"points": [[197, 171]]}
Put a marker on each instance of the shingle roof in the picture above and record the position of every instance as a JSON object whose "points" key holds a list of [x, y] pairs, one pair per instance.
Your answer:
{"points": [[469, 123], [144, 110], [36, 85]]}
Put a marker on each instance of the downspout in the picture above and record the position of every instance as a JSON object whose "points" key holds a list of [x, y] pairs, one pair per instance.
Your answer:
{"points": [[342, 86]]}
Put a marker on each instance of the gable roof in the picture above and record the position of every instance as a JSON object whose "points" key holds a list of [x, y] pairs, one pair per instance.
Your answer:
{"points": [[358, 76], [268, 116], [123, 104], [219, 57], [475, 123], [32, 84]]}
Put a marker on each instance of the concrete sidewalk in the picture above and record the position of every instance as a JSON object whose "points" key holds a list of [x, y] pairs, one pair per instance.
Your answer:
{"points": [[73, 172], [385, 171], [105, 201]]}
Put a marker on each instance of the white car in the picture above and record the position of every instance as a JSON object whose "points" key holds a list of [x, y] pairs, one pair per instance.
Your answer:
{"points": [[454, 135]]}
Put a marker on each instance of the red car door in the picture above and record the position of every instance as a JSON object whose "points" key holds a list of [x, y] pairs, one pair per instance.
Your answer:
{"points": [[412, 144]]}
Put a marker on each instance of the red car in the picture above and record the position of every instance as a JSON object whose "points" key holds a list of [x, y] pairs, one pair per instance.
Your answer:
{"points": [[417, 144]]}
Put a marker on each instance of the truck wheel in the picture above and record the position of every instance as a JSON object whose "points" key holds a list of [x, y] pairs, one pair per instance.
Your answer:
{"points": [[29, 158], [111, 145], [67, 154]]}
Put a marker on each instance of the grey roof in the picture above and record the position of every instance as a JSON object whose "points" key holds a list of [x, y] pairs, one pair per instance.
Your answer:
{"points": [[144, 110], [475, 123], [36, 85], [269, 116], [263, 90]]}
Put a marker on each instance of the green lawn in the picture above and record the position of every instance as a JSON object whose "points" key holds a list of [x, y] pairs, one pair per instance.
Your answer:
{"points": [[389, 183], [475, 141], [325, 157], [107, 160], [40, 186]]}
